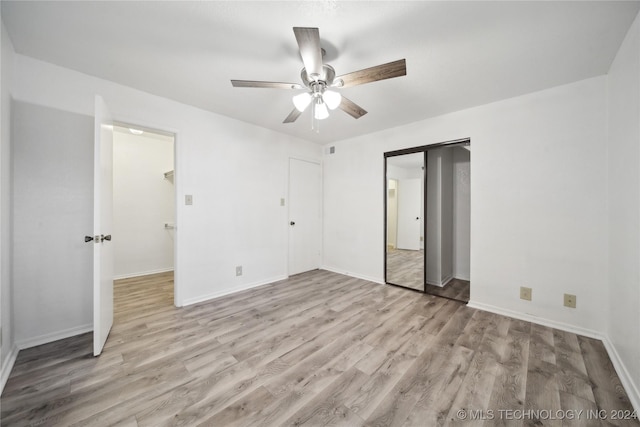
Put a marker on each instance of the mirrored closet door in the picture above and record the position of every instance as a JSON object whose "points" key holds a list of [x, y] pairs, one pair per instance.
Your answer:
{"points": [[405, 220], [427, 219]]}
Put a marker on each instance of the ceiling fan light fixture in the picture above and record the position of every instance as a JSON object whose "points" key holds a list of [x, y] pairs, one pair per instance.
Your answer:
{"points": [[319, 79], [332, 99], [301, 101], [321, 112]]}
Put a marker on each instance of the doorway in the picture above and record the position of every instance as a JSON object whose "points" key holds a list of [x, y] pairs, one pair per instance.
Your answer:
{"points": [[427, 247], [143, 216]]}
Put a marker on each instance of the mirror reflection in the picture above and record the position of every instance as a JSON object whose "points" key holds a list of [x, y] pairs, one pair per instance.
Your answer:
{"points": [[448, 220], [405, 224], [428, 220]]}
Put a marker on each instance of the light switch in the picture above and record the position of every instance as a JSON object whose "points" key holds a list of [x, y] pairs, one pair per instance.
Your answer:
{"points": [[188, 200], [282, 201]]}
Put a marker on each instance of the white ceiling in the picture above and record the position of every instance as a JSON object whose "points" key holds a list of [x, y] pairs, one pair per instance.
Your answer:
{"points": [[459, 54]]}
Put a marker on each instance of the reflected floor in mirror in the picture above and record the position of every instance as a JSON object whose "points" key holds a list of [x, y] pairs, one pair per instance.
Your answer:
{"points": [[455, 289], [405, 268]]}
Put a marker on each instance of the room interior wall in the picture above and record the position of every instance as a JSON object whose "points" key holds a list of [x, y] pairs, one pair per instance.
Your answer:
{"points": [[399, 173], [236, 173], [461, 213], [538, 214], [392, 212], [143, 202], [440, 216], [433, 220], [623, 316], [446, 215], [52, 189], [8, 350]]}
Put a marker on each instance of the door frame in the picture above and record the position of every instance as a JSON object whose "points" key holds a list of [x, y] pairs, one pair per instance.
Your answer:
{"points": [[420, 149], [151, 127]]}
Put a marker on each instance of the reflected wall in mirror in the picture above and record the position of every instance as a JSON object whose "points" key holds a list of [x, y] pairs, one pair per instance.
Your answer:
{"points": [[448, 220], [405, 220]]}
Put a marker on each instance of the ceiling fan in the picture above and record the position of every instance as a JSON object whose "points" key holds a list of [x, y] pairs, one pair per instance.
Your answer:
{"points": [[320, 79]]}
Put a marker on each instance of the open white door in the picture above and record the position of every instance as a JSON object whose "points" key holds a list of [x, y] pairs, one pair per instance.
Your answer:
{"points": [[305, 224], [102, 223], [409, 200]]}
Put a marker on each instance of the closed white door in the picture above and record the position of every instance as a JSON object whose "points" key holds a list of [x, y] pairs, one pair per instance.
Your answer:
{"points": [[409, 200], [305, 216], [102, 227]]}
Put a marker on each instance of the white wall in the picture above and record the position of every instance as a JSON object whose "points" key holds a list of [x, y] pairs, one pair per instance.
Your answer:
{"points": [[538, 215], [446, 215], [236, 172], [392, 212], [399, 173], [623, 315], [7, 349], [433, 219], [52, 265], [143, 201], [440, 216], [461, 213]]}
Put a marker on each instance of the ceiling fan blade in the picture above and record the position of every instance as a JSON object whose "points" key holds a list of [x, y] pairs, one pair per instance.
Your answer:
{"points": [[351, 108], [268, 85], [379, 72], [309, 44], [293, 116]]}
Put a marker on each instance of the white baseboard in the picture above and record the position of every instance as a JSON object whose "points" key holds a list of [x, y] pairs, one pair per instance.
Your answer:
{"points": [[7, 366], [214, 295], [626, 379], [357, 276], [538, 320], [441, 284], [54, 336], [142, 273]]}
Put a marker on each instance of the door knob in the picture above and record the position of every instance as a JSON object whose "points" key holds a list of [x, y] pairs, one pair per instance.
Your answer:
{"points": [[103, 237], [292, 223], [87, 239]]}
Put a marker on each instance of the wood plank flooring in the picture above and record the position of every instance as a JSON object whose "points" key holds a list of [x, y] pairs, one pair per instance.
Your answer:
{"points": [[405, 268], [316, 349], [456, 289]]}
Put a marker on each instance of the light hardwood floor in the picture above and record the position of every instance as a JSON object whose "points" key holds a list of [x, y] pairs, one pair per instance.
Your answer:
{"points": [[405, 268], [316, 349], [457, 289]]}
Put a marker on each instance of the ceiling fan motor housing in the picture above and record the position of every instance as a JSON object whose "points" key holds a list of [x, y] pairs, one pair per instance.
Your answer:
{"points": [[326, 76]]}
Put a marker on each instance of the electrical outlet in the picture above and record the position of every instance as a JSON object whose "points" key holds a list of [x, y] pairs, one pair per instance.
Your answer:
{"points": [[188, 200], [569, 300], [525, 293], [239, 270], [282, 201]]}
